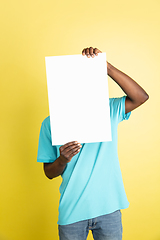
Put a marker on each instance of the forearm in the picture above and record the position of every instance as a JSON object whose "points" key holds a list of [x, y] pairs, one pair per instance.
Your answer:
{"points": [[135, 92], [54, 169], [67, 151]]}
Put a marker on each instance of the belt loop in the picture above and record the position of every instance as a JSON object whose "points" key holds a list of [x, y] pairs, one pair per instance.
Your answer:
{"points": [[90, 222]]}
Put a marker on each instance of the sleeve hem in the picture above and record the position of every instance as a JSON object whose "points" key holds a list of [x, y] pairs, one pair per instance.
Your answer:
{"points": [[45, 160], [125, 115]]}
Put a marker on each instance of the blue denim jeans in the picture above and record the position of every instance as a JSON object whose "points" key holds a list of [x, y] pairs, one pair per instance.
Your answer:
{"points": [[106, 227]]}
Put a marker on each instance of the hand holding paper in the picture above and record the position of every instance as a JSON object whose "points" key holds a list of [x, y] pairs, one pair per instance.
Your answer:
{"points": [[69, 150], [90, 52]]}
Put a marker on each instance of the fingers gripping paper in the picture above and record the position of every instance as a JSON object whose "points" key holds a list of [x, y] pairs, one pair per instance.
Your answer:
{"points": [[78, 99]]}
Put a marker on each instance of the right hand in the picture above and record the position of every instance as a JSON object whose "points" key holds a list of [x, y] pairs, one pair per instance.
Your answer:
{"points": [[91, 52], [68, 150]]}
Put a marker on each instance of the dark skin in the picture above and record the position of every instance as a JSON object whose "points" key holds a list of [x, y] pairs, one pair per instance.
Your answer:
{"points": [[136, 96]]}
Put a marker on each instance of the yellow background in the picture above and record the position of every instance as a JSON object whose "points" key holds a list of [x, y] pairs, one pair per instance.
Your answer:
{"points": [[129, 33]]}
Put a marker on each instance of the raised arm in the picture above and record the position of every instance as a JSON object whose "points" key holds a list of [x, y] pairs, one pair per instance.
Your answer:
{"points": [[136, 95]]}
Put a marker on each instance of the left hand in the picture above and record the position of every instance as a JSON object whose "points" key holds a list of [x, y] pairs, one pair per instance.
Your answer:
{"points": [[91, 52]]}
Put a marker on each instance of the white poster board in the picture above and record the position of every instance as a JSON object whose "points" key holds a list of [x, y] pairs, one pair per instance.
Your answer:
{"points": [[78, 99]]}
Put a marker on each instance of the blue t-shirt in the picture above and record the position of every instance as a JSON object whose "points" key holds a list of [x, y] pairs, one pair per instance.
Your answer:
{"points": [[92, 183]]}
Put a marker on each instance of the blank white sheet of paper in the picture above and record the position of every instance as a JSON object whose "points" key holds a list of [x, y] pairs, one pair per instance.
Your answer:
{"points": [[78, 99]]}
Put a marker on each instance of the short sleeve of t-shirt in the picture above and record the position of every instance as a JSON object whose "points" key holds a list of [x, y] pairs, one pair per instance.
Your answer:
{"points": [[118, 106], [46, 152]]}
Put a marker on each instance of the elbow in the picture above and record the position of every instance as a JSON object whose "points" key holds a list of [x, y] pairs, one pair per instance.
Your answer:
{"points": [[47, 172], [142, 100], [48, 176], [145, 98]]}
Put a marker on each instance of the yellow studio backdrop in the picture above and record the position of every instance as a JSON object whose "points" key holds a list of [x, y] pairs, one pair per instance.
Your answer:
{"points": [[128, 31]]}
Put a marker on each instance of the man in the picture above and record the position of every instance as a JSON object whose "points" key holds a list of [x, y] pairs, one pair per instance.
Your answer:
{"points": [[92, 191]]}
